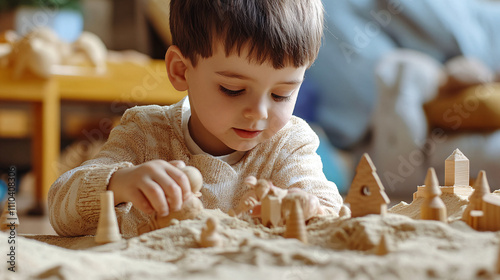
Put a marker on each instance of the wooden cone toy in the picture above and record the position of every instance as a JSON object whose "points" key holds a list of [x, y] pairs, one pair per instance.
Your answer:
{"points": [[107, 228], [481, 188], [383, 247], [295, 224], [433, 208]]}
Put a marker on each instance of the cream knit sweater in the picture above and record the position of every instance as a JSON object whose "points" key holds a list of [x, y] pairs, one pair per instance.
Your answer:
{"points": [[146, 133]]}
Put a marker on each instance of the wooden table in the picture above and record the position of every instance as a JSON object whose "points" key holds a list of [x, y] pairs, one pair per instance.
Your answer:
{"points": [[123, 85]]}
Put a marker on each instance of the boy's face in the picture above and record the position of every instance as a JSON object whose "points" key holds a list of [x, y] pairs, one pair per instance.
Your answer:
{"points": [[237, 104]]}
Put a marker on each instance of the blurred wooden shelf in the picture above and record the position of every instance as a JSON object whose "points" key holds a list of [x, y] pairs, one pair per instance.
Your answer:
{"points": [[123, 85]]}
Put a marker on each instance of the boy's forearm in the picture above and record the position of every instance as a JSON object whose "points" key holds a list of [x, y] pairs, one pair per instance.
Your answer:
{"points": [[73, 199]]}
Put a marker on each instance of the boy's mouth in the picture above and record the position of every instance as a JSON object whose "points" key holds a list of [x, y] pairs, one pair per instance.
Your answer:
{"points": [[247, 133]]}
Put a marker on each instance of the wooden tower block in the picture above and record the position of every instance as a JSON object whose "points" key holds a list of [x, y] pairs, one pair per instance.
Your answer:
{"points": [[481, 188], [107, 228], [433, 208], [456, 169], [366, 194], [295, 224], [271, 209]]}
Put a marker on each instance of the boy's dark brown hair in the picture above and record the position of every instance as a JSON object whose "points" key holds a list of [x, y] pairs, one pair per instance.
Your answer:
{"points": [[284, 32]]}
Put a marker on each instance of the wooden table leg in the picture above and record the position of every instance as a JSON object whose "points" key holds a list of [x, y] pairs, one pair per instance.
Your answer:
{"points": [[46, 145]]}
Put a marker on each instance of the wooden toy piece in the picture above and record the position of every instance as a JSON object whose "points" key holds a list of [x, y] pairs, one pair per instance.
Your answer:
{"points": [[433, 208], [271, 209], [366, 194], [107, 228], [209, 236], [382, 247], [490, 220], [456, 169], [498, 260], [195, 179], [9, 216], [481, 188], [295, 223], [191, 208]]}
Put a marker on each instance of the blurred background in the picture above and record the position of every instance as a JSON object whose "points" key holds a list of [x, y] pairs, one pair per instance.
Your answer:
{"points": [[134, 33]]}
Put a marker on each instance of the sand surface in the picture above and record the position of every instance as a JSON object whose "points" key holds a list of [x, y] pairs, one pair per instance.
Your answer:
{"points": [[338, 249]]}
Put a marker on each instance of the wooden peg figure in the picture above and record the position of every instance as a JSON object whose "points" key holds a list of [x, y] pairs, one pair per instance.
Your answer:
{"points": [[210, 236], [433, 208], [9, 216], [107, 228], [481, 188], [295, 223]]}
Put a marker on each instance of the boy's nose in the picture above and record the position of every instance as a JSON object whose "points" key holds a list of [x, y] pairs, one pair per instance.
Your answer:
{"points": [[256, 110]]}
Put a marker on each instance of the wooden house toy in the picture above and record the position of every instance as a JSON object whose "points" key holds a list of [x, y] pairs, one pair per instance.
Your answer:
{"points": [[366, 194]]}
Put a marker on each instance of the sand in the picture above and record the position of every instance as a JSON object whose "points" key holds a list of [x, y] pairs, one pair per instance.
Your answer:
{"points": [[338, 249]]}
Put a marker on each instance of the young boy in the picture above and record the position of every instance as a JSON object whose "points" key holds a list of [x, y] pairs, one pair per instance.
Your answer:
{"points": [[242, 63]]}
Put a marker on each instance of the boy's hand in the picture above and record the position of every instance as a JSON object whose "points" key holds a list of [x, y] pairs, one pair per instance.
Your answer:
{"points": [[310, 203], [155, 185]]}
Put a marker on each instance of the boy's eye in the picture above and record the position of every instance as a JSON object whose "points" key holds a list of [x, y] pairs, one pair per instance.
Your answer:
{"points": [[280, 98], [230, 92]]}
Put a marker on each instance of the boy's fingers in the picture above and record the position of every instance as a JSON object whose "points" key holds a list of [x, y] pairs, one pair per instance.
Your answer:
{"points": [[171, 191], [156, 197], [140, 201], [181, 179], [177, 163]]}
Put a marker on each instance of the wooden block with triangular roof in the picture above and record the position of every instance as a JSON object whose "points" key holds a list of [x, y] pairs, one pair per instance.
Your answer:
{"points": [[366, 194]]}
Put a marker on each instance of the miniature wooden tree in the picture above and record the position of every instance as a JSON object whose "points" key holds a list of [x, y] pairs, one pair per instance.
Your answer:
{"points": [[366, 194], [456, 169], [433, 207], [9, 216], [295, 223], [481, 188], [107, 228]]}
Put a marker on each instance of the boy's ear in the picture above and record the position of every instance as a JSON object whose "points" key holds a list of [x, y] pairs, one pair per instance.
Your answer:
{"points": [[176, 68]]}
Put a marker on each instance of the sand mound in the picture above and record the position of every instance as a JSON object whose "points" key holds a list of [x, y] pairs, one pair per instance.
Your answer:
{"points": [[340, 248]]}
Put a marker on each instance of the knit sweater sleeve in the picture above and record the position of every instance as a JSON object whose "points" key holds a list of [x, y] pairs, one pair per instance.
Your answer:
{"points": [[74, 199], [299, 166]]}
